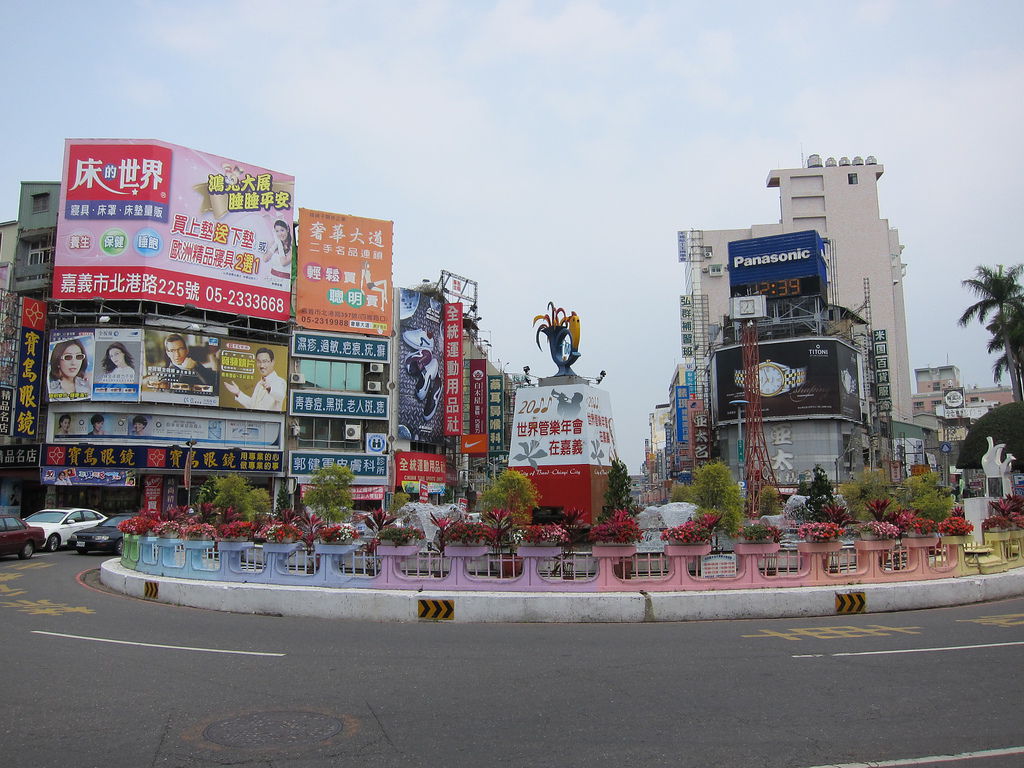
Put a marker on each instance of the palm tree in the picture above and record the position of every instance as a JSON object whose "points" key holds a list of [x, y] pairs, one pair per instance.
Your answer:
{"points": [[996, 346], [1000, 296]]}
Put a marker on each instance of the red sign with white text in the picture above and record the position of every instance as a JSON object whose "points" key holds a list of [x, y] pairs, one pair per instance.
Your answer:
{"points": [[451, 326]]}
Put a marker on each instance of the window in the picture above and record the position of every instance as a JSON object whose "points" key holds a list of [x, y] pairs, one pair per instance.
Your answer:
{"points": [[40, 254], [325, 433], [851, 178], [41, 202], [327, 374]]}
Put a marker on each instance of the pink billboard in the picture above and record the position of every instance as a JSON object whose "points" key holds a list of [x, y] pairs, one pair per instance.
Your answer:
{"points": [[144, 219]]}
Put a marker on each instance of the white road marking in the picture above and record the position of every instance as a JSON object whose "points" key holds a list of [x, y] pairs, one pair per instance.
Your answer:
{"points": [[155, 645], [908, 650], [929, 759]]}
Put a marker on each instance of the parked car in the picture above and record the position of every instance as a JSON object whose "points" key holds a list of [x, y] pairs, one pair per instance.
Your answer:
{"points": [[59, 524], [100, 538], [18, 538]]}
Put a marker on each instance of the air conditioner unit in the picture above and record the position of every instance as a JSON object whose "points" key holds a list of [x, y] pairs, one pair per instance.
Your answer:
{"points": [[297, 378], [376, 367], [353, 431], [716, 270], [373, 386]]}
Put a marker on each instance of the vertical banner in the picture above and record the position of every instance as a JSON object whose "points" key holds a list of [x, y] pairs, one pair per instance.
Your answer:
{"points": [[30, 356], [452, 328], [424, 496], [682, 417], [495, 414], [477, 397], [344, 277], [420, 374], [152, 493]]}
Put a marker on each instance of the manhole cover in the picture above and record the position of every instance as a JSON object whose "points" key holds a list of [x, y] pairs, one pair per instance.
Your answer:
{"points": [[272, 729]]}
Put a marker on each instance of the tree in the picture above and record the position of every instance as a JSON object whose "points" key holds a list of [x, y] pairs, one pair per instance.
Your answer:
{"points": [[284, 499], [681, 492], [923, 494], [770, 502], [234, 492], [714, 491], [865, 486], [513, 491], [1000, 297], [398, 500], [821, 495], [1004, 424], [328, 495], [619, 494]]}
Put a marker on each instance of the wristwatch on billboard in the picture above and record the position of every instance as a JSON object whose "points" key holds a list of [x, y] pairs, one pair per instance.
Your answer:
{"points": [[775, 378]]}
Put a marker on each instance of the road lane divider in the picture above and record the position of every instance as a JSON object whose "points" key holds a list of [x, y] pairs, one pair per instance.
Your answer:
{"points": [[155, 645]]}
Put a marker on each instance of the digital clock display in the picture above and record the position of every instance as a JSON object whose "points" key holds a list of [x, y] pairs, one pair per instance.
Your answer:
{"points": [[784, 288]]}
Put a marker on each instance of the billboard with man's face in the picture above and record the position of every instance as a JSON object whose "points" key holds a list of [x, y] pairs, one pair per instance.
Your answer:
{"points": [[144, 219]]}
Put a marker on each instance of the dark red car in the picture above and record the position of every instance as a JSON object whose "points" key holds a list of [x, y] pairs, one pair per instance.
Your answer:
{"points": [[18, 538]]}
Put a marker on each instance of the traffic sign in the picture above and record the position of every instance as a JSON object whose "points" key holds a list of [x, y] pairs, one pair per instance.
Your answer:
{"points": [[946, 447]]}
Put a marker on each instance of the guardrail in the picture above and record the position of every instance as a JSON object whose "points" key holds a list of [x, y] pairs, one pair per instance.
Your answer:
{"points": [[549, 569]]}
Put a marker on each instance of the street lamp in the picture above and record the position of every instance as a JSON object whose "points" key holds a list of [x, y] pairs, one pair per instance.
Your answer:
{"points": [[741, 457]]}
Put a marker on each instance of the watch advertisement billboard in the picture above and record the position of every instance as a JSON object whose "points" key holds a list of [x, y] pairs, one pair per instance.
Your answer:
{"points": [[145, 219], [343, 282], [805, 377]]}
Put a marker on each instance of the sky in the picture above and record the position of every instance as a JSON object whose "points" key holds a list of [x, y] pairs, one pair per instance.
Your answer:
{"points": [[551, 150]]}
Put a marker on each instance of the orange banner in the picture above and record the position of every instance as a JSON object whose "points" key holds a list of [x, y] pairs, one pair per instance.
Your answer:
{"points": [[344, 273]]}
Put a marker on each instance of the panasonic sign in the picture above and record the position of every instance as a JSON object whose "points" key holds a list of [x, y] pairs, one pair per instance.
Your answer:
{"points": [[771, 258]]}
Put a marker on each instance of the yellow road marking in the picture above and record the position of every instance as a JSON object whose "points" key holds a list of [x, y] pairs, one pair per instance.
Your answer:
{"points": [[834, 633], [1005, 620], [43, 607], [33, 564]]}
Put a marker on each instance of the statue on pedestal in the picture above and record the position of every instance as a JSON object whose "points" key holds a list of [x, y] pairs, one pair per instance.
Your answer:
{"points": [[997, 468]]}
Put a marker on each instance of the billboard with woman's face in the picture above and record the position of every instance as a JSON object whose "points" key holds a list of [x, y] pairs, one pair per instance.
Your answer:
{"points": [[70, 370], [118, 364]]}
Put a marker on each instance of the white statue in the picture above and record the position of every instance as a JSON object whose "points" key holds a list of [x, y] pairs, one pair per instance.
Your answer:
{"points": [[997, 466]]}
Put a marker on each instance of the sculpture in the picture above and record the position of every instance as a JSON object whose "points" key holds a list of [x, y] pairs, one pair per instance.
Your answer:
{"points": [[563, 332], [997, 466]]}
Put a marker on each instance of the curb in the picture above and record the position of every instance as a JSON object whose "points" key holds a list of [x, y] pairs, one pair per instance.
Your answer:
{"points": [[555, 607]]}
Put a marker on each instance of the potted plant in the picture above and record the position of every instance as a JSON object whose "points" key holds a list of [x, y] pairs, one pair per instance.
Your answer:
{"points": [[995, 524], [758, 539], [281, 533], [168, 529], [955, 526], [140, 525], [398, 540], [236, 530], [819, 537], [551, 535], [921, 527], [616, 538], [690, 538], [198, 531], [336, 539], [466, 533], [338, 533], [876, 530]]}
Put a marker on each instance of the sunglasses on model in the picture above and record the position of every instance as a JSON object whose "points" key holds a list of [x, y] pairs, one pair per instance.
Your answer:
{"points": [[73, 357]]}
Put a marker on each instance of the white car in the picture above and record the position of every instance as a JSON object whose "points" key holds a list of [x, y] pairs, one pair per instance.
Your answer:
{"points": [[59, 524]]}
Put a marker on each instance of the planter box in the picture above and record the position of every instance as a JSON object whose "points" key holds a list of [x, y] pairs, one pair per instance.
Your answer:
{"points": [[818, 547], [875, 545], [465, 550], [921, 541], [335, 549], [692, 550], [755, 547], [401, 550]]}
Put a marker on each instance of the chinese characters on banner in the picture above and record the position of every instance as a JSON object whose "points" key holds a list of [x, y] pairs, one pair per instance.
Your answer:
{"points": [[452, 330], [562, 425], [495, 414], [143, 219], [477, 396], [30, 359], [344, 276]]}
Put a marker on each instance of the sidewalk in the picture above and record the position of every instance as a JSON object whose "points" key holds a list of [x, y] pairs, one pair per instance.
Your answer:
{"points": [[513, 607]]}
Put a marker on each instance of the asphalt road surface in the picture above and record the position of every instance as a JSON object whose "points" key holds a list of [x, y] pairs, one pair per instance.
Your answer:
{"points": [[91, 678]]}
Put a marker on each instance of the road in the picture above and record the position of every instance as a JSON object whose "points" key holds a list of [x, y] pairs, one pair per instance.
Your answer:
{"points": [[190, 688]]}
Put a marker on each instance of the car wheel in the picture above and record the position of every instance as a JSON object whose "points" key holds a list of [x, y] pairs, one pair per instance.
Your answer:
{"points": [[53, 543], [27, 551], [119, 547], [82, 550]]}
